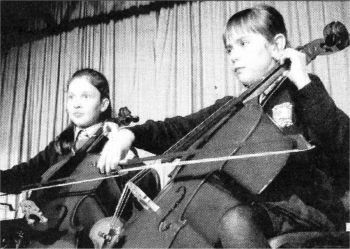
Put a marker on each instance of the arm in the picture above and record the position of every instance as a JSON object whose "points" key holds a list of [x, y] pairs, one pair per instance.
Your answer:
{"points": [[158, 136], [327, 126], [328, 129], [153, 136], [29, 172]]}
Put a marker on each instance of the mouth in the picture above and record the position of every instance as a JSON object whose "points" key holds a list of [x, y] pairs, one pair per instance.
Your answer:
{"points": [[78, 114], [238, 69]]}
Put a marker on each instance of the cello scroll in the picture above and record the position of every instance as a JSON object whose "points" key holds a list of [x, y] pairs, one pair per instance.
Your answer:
{"points": [[336, 38], [125, 118]]}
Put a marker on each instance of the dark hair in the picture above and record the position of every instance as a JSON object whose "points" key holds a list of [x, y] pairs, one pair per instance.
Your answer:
{"points": [[63, 142], [261, 19]]}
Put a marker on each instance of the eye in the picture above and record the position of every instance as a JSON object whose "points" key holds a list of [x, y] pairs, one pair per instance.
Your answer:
{"points": [[228, 50], [70, 96], [243, 43], [85, 95]]}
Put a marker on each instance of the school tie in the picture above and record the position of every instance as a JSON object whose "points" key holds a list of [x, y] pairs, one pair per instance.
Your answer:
{"points": [[81, 139]]}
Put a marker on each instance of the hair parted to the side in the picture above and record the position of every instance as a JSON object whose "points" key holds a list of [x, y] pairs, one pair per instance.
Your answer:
{"points": [[261, 19], [64, 141]]}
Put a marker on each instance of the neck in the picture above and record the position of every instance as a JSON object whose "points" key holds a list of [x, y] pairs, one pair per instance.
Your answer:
{"points": [[90, 130]]}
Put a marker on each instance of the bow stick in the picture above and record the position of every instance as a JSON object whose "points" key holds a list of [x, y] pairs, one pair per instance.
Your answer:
{"points": [[131, 163]]}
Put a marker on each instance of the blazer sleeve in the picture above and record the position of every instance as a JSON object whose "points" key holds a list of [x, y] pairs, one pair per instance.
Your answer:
{"points": [[158, 136], [29, 172], [328, 129]]}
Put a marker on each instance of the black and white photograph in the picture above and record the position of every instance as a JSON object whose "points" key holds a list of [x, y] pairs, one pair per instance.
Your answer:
{"points": [[174, 124]]}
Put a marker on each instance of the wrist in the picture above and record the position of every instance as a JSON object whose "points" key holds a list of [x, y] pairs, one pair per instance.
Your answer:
{"points": [[303, 81], [126, 133]]}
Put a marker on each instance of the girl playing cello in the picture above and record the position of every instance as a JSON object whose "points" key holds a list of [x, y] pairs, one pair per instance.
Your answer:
{"points": [[307, 195], [88, 107]]}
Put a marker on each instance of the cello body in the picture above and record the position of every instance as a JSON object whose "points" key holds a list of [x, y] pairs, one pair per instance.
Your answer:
{"points": [[197, 197]]}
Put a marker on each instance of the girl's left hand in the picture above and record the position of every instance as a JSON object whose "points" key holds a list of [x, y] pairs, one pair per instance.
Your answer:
{"points": [[297, 72]]}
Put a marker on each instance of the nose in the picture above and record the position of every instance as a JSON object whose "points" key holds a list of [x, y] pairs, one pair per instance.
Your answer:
{"points": [[76, 103], [234, 55]]}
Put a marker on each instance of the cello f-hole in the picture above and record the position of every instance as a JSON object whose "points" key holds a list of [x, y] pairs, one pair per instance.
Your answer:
{"points": [[163, 226], [73, 216]]}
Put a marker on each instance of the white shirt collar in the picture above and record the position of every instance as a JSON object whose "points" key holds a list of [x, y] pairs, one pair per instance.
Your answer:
{"points": [[89, 132]]}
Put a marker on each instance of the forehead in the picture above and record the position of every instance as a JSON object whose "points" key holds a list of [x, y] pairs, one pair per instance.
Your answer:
{"points": [[81, 84], [236, 34]]}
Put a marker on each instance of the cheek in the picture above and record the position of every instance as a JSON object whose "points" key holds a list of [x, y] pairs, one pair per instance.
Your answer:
{"points": [[94, 109], [69, 107], [262, 61]]}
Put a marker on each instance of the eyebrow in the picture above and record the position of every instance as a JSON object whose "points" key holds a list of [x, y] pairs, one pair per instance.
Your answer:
{"points": [[242, 37], [239, 38], [84, 92]]}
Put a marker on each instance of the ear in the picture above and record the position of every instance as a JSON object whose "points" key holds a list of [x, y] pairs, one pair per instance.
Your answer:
{"points": [[280, 43], [104, 105]]}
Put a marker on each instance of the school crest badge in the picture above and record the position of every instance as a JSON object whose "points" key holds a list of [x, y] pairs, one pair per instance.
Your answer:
{"points": [[283, 114]]}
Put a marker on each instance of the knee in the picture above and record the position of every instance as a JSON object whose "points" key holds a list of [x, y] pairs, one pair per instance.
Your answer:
{"points": [[237, 229], [239, 216]]}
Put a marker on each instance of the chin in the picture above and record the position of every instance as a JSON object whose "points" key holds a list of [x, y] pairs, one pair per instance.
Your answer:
{"points": [[80, 124], [246, 84]]}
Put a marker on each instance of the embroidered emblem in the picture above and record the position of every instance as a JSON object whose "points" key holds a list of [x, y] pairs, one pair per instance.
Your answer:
{"points": [[282, 114]]}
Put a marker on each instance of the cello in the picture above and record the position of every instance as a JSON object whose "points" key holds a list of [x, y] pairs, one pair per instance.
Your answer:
{"points": [[193, 202], [60, 212]]}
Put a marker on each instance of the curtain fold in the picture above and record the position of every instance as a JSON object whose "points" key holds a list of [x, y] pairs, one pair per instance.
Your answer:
{"points": [[163, 64]]}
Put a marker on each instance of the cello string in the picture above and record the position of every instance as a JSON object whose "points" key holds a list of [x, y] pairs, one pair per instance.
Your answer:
{"points": [[120, 207], [125, 197], [127, 190], [245, 138]]}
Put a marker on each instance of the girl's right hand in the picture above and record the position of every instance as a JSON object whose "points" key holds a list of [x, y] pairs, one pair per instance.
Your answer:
{"points": [[116, 149]]}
